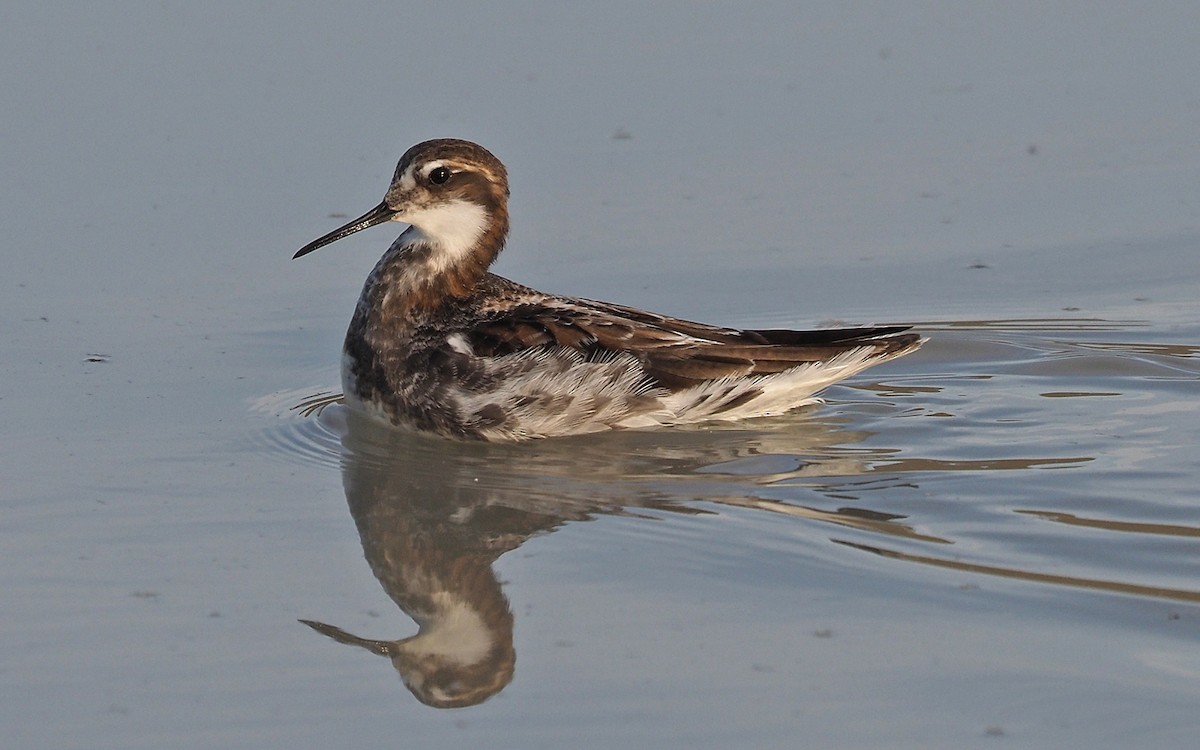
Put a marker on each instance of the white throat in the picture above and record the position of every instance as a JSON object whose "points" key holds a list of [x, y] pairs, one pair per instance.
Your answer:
{"points": [[456, 634], [453, 229]]}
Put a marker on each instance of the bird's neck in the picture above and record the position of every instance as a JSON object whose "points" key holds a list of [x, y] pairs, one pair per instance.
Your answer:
{"points": [[441, 261]]}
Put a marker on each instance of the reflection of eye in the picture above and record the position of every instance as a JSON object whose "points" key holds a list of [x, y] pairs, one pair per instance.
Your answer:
{"points": [[439, 176]]}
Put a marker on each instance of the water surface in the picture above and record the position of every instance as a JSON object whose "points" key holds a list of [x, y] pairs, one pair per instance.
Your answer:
{"points": [[989, 542]]}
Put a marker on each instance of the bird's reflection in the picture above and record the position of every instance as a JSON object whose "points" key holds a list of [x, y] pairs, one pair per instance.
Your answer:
{"points": [[434, 515], [431, 544]]}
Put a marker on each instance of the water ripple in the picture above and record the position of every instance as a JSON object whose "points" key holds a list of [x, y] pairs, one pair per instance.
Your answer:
{"points": [[1045, 451]]}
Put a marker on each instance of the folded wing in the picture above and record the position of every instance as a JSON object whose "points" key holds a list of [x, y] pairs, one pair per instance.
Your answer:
{"points": [[677, 354]]}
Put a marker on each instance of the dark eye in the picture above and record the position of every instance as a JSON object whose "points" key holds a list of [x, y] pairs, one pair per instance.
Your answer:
{"points": [[439, 176]]}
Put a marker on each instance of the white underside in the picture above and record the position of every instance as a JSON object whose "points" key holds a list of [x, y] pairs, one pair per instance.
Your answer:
{"points": [[614, 393], [780, 392]]}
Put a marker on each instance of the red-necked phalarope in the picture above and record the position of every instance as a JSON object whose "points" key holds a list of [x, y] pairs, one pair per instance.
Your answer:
{"points": [[439, 344]]}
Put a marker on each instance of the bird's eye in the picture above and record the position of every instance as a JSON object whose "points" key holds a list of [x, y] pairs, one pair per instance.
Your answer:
{"points": [[439, 176]]}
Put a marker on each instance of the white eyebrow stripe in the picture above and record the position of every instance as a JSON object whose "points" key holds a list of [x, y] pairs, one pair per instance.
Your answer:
{"points": [[429, 166]]}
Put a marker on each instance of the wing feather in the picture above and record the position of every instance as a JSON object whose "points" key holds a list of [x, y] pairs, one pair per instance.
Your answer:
{"points": [[675, 353]]}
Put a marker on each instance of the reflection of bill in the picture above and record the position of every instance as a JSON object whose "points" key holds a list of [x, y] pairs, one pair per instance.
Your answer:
{"points": [[433, 516]]}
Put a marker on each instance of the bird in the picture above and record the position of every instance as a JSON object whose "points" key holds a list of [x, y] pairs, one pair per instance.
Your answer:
{"points": [[439, 344]]}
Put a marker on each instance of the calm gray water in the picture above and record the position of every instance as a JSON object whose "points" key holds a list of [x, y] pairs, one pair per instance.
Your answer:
{"points": [[992, 542]]}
